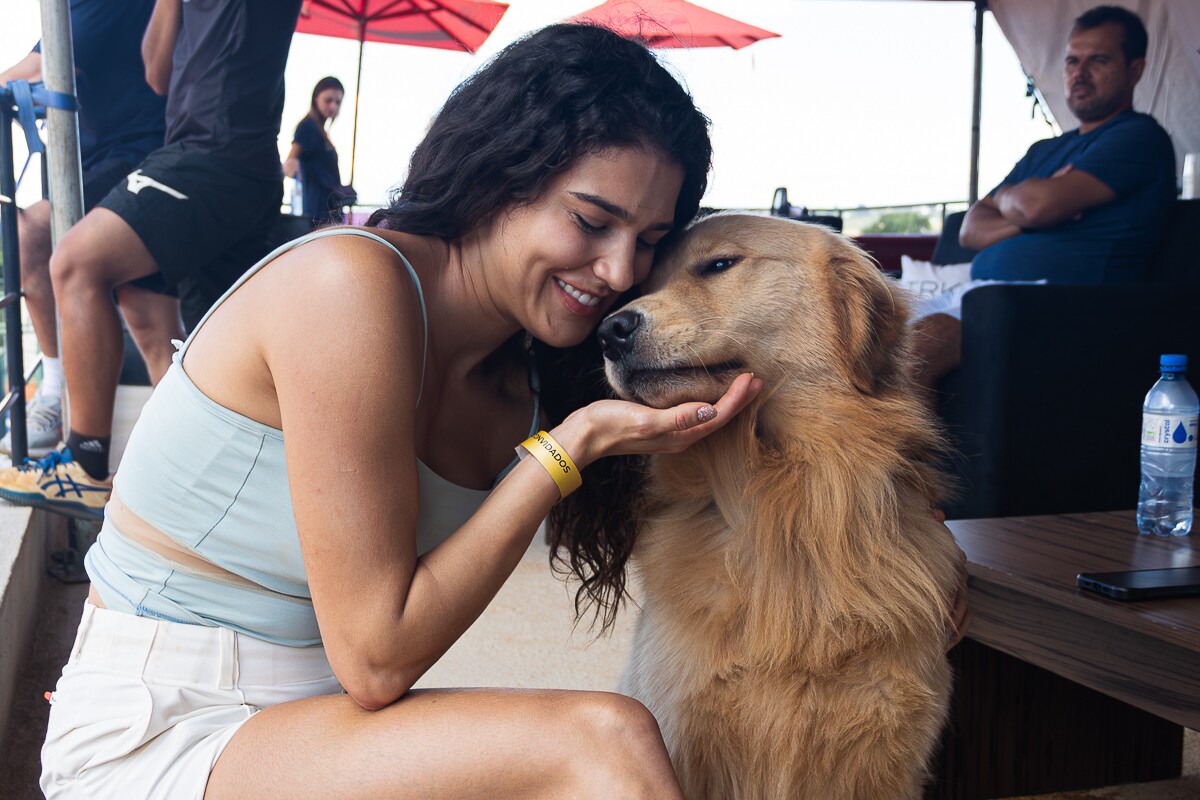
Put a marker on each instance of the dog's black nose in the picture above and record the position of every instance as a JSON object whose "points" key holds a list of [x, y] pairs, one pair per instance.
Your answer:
{"points": [[616, 334]]}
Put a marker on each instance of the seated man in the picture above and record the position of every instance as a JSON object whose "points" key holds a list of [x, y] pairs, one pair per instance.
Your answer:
{"points": [[201, 201], [120, 122], [1086, 207]]}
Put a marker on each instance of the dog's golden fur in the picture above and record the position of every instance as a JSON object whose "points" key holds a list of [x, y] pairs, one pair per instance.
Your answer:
{"points": [[795, 586]]}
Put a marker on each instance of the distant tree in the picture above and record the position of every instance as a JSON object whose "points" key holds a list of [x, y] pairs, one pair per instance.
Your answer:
{"points": [[900, 222]]}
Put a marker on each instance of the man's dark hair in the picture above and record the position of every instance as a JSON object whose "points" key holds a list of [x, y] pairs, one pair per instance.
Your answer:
{"points": [[544, 102], [1133, 43]]}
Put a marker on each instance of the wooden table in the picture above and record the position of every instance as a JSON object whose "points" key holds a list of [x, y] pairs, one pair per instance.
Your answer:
{"points": [[1063, 689]]}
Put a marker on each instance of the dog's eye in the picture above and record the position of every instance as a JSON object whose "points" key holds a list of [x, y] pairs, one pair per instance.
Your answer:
{"points": [[718, 265]]}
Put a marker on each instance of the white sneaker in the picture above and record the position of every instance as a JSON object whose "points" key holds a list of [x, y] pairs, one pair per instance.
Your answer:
{"points": [[43, 426]]}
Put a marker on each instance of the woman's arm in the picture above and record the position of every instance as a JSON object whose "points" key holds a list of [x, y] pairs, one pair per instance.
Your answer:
{"points": [[385, 614], [158, 43], [309, 139], [291, 164]]}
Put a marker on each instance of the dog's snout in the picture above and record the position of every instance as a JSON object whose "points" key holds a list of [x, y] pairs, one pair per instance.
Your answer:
{"points": [[616, 334]]}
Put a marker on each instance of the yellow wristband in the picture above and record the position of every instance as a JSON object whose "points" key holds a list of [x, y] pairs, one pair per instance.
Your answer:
{"points": [[551, 455]]}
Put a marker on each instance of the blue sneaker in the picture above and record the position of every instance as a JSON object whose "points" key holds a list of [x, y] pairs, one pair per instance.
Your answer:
{"points": [[56, 483]]}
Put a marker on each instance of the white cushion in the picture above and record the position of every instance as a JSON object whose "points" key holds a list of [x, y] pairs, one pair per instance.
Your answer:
{"points": [[925, 279]]}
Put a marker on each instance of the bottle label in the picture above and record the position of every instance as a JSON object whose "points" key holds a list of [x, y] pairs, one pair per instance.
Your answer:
{"points": [[1168, 430]]}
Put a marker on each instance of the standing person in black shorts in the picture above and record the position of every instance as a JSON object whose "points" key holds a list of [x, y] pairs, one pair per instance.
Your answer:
{"points": [[195, 213], [120, 123]]}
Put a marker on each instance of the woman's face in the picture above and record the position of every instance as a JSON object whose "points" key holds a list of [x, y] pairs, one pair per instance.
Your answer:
{"points": [[329, 102], [590, 237]]}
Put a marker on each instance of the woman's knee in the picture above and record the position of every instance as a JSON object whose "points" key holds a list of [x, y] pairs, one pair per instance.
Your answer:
{"points": [[615, 716], [623, 750]]}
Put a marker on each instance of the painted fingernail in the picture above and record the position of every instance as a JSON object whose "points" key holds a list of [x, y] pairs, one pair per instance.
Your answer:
{"points": [[705, 413]]}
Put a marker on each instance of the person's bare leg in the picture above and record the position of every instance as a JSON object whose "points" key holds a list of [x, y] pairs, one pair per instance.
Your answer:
{"points": [[153, 321], [33, 235], [458, 744], [937, 344], [100, 253]]}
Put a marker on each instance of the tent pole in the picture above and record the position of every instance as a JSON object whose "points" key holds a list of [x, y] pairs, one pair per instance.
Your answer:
{"points": [[58, 72], [362, 38], [65, 170], [973, 190]]}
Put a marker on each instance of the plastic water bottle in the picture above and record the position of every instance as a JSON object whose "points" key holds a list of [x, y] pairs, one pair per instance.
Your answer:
{"points": [[1168, 452]]}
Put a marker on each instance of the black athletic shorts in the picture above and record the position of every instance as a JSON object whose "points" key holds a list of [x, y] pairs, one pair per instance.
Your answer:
{"points": [[203, 219], [99, 179]]}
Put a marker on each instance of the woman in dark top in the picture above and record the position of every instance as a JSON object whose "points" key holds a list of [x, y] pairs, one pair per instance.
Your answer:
{"points": [[313, 159]]}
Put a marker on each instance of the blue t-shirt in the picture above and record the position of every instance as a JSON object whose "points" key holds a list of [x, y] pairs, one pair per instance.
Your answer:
{"points": [[1133, 156], [318, 172], [120, 116]]}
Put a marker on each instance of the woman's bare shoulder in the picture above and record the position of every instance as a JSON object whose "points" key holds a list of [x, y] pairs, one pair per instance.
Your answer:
{"points": [[344, 300], [329, 297], [362, 250], [351, 272]]}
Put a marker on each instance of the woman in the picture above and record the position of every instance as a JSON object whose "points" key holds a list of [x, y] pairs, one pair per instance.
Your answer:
{"points": [[238, 582], [313, 159]]}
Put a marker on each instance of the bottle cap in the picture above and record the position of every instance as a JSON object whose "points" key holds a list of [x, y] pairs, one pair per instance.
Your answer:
{"points": [[1172, 363]]}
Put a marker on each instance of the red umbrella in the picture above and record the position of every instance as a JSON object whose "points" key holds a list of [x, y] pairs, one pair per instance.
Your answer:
{"points": [[673, 23], [443, 24]]}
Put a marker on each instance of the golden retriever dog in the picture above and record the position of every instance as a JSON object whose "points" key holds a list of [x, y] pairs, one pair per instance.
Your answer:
{"points": [[795, 585]]}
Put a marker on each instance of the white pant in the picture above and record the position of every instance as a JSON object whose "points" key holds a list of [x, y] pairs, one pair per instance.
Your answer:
{"points": [[144, 707]]}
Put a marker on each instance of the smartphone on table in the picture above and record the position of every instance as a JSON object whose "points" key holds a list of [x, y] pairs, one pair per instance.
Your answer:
{"points": [[1143, 584]]}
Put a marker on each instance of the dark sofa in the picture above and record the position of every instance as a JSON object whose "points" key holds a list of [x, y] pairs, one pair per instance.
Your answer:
{"points": [[1046, 407], [887, 248]]}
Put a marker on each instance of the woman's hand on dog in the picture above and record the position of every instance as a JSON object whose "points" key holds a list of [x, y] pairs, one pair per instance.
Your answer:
{"points": [[960, 610], [620, 427]]}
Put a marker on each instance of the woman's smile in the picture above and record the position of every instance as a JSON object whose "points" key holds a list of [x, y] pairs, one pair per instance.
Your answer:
{"points": [[577, 300], [587, 240]]}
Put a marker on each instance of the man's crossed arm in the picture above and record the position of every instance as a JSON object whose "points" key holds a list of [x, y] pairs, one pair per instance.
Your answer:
{"points": [[1031, 204]]}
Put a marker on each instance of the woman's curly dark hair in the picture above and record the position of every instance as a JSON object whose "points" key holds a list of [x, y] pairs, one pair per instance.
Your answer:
{"points": [[559, 94]]}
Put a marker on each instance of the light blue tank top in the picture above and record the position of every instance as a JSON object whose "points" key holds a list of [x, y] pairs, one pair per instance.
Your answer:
{"points": [[215, 482]]}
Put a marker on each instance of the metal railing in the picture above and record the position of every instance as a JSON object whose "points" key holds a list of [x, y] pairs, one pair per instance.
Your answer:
{"points": [[936, 210], [13, 402]]}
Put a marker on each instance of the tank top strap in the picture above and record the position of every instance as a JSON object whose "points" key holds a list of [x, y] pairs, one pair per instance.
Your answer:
{"points": [[181, 347]]}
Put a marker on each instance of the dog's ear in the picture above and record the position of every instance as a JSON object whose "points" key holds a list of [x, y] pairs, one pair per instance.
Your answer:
{"points": [[874, 322]]}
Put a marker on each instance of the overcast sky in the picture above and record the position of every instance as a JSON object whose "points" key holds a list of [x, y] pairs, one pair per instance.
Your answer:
{"points": [[857, 102]]}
